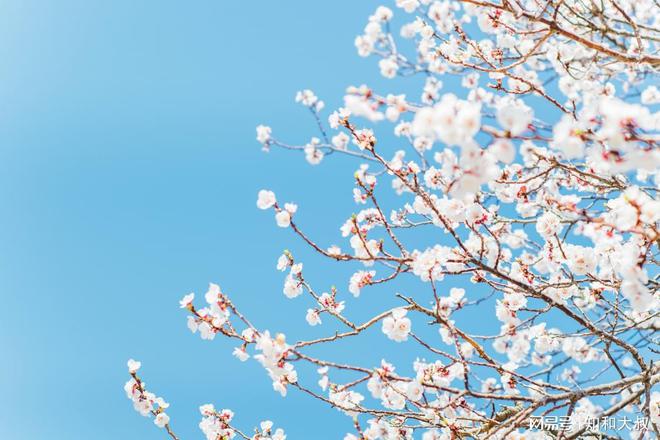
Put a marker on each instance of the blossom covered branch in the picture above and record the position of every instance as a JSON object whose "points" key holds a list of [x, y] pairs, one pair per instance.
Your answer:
{"points": [[216, 425], [535, 188]]}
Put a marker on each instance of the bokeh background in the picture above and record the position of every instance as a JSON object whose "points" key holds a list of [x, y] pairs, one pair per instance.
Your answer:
{"points": [[128, 177]]}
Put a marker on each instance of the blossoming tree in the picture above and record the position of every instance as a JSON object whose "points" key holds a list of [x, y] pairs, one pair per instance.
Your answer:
{"points": [[536, 181]]}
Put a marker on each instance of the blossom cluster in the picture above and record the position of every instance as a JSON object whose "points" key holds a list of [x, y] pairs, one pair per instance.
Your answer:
{"points": [[216, 425], [145, 402], [527, 195]]}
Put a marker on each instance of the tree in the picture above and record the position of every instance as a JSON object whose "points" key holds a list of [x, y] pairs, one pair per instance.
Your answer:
{"points": [[536, 181]]}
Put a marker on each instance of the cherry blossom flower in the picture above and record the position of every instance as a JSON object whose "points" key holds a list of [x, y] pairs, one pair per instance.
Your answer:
{"points": [[548, 225], [161, 420], [292, 287], [283, 262], [651, 95], [388, 67], [514, 116], [266, 199], [263, 134], [133, 365], [313, 317], [241, 354], [359, 280], [397, 325], [309, 99], [212, 294], [283, 218], [186, 300]]}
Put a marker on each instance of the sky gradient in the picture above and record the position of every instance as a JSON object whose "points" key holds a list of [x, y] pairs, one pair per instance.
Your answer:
{"points": [[128, 177]]}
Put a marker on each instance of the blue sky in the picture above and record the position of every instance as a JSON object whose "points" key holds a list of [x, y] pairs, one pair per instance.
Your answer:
{"points": [[128, 177]]}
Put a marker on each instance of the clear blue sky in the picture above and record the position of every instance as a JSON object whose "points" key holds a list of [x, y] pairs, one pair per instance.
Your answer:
{"points": [[128, 177]]}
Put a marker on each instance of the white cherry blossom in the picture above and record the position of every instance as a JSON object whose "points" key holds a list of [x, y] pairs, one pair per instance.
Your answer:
{"points": [[511, 193], [397, 325], [266, 199]]}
